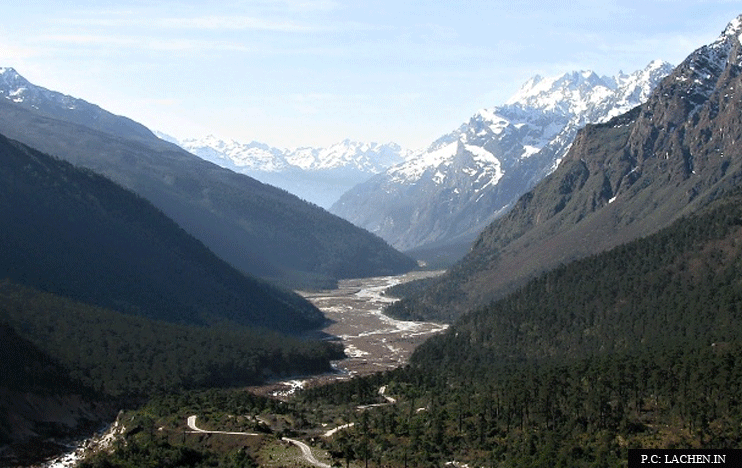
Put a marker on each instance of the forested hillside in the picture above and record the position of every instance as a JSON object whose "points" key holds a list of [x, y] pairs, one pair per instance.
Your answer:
{"points": [[77, 234], [120, 355], [104, 301], [67, 368], [678, 288], [636, 347], [39, 400]]}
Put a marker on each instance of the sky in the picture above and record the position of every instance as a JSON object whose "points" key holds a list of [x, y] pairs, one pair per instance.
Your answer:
{"points": [[293, 73]]}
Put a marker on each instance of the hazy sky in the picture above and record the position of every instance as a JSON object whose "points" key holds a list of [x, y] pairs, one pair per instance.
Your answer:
{"points": [[313, 72]]}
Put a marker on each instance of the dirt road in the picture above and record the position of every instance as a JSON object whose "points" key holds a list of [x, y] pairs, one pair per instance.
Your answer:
{"points": [[197, 430], [307, 453]]}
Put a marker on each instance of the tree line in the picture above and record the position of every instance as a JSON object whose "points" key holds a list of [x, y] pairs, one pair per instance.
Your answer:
{"points": [[122, 355]]}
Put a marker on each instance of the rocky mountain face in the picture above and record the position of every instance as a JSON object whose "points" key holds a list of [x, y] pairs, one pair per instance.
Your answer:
{"points": [[622, 179], [259, 229], [448, 193], [318, 175]]}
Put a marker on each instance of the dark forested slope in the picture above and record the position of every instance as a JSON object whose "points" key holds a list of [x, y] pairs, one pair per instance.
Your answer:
{"points": [[621, 180], [38, 399], [679, 287], [119, 355], [67, 368], [77, 234]]}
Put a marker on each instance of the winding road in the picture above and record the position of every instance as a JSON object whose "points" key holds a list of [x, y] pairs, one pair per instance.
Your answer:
{"points": [[198, 430], [305, 450]]}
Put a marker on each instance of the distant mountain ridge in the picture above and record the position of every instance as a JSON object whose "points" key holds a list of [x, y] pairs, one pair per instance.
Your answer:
{"points": [[465, 179], [259, 229], [622, 179], [318, 175]]}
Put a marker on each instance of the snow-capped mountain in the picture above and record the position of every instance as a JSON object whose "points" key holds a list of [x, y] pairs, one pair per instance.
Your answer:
{"points": [[319, 175], [252, 156], [18, 90], [671, 157], [449, 192]]}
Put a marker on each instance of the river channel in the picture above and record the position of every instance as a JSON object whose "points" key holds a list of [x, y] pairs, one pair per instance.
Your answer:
{"points": [[372, 341]]}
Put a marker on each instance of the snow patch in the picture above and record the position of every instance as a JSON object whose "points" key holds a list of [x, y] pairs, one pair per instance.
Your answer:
{"points": [[414, 169]]}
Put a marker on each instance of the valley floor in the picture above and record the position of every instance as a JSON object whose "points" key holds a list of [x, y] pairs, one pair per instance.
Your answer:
{"points": [[373, 342]]}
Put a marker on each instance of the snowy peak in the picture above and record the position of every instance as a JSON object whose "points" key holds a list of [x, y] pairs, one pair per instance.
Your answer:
{"points": [[643, 79], [718, 52], [318, 175], [251, 156], [16, 88], [699, 74], [733, 29], [560, 93], [543, 110], [631, 90], [12, 85], [368, 158], [365, 157], [467, 177], [581, 91]]}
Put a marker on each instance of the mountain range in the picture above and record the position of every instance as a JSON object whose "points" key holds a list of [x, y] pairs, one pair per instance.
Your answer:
{"points": [[446, 194], [318, 175], [620, 180], [599, 313], [259, 229]]}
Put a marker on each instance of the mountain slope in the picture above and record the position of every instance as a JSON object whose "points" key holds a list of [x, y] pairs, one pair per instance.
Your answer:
{"points": [[119, 355], [679, 287], [450, 192], [72, 232], [318, 175], [39, 400], [621, 180], [257, 228], [639, 347]]}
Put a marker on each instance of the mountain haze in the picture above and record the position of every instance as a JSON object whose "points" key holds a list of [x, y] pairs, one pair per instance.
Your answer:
{"points": [[318, 175], [620, 180], [448, 193], [259, 229]]}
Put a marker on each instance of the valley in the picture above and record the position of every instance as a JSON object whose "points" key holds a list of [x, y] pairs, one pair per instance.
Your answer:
{"points": [[213, 320], [372, 341]]}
